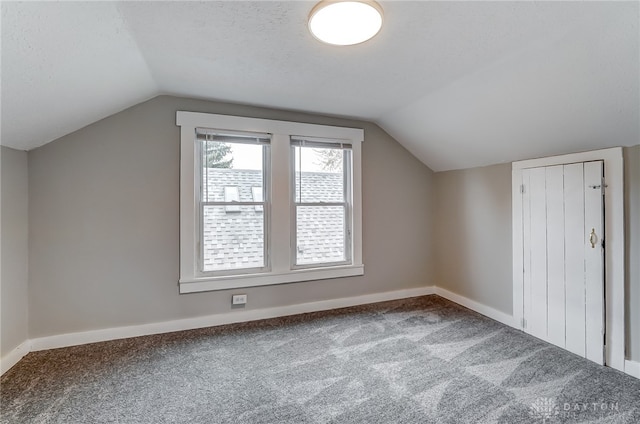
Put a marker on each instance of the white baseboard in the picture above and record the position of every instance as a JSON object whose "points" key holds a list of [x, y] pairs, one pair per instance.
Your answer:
{"points": [[14, 356], [632, 368], [73, 339], [476, 306]]}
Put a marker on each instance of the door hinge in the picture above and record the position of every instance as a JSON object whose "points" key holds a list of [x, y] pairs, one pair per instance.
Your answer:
{"points": [[523, 323], [522, 189]]}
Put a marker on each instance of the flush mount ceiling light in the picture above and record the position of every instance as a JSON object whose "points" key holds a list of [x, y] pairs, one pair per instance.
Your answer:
{"points": [[344, 23]]}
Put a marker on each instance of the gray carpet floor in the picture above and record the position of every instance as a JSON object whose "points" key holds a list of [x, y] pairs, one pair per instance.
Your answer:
{"points": [[420, 360]]}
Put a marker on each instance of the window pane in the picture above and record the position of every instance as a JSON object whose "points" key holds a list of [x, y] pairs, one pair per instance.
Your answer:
{"points": [[232, 194], [319, 174], [228, 168], [232, 240], [257, 197], [320, 234]]}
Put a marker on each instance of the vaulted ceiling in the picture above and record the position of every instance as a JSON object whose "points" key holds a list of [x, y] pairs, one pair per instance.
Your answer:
{"points": [[459, 84]]}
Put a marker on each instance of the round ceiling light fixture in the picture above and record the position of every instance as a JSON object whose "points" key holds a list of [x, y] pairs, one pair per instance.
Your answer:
{"points": [[345, 23]]}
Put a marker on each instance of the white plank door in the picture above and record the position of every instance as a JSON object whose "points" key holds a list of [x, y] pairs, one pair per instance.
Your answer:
{"points": [[537, 320], [574, 258], [594, 260], [556, 310], [563, 257]]}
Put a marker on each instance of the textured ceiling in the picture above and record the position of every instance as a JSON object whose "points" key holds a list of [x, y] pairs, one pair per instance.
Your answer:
{"points": [[459, 84]]}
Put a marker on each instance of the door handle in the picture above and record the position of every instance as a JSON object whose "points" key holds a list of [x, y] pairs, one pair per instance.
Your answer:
{"points": [[593, 238]]}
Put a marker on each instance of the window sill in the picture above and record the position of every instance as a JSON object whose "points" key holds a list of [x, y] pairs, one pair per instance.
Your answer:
{"points": [[226, 282]]}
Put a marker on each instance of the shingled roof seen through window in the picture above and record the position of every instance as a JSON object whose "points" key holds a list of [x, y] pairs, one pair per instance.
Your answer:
{"points": [[235, 239]]}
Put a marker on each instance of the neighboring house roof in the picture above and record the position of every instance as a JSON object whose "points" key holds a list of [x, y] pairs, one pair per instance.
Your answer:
{"points": [[233, 236]]}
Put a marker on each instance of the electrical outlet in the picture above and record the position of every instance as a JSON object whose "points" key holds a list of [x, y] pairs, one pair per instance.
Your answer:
{"points": [[239, 299]]}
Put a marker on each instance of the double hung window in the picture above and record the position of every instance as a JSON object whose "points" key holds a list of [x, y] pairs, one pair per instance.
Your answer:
{"points": [[261, 205], [322, 201], [233, 230]]}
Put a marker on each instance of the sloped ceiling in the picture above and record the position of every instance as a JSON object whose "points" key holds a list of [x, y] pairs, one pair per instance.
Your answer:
{"points": [[459, 84]]}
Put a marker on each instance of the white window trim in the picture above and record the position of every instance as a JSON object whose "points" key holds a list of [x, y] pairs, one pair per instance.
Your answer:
{"points": [[614, 243], [281, 176]]}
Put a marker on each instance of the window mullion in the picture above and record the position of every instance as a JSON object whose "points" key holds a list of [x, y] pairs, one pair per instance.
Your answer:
{"points": [[281, 214]]}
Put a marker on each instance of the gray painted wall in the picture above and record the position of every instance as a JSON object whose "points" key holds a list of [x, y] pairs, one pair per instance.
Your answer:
{"points": [[104, 223], [14, 259], [632, 221], [474, 237], [473, 234]]}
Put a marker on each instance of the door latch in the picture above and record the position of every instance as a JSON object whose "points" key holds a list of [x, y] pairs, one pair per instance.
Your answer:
{"points": [[593, 238]]}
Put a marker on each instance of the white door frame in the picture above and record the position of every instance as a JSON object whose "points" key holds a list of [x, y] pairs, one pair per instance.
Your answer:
{"points": [[614, 243]]}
